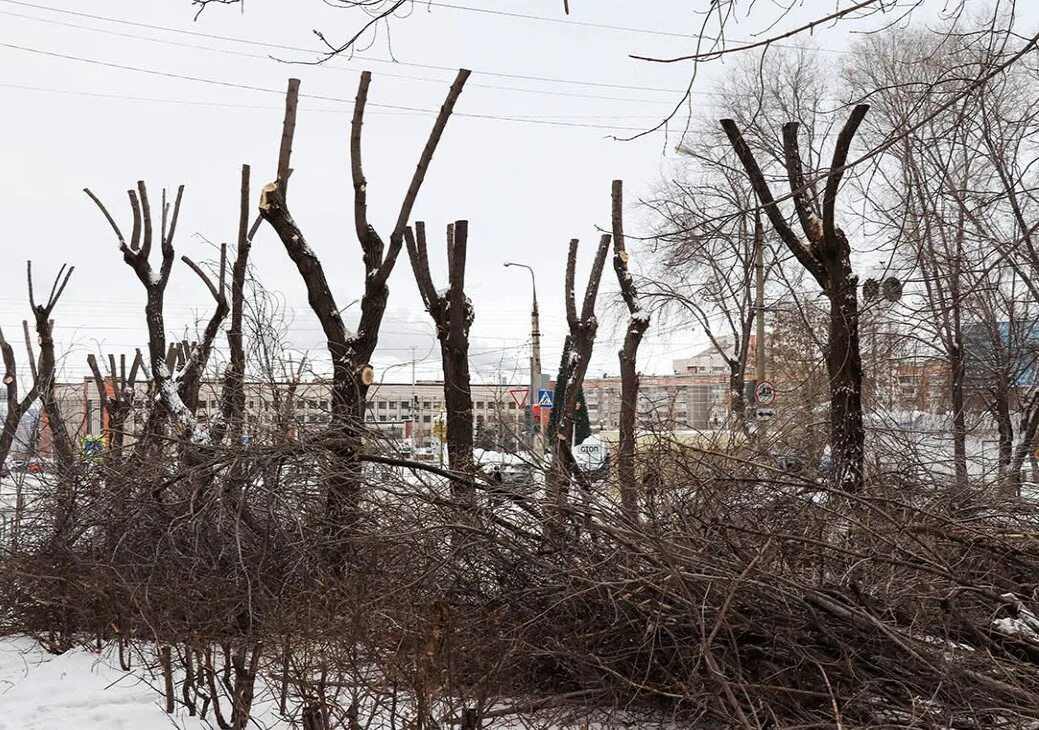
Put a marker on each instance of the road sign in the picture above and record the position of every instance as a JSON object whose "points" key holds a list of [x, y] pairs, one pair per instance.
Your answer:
{"points": [[519, 395], [545, 398], [763, 414], [765, 393], [591, 453], [93, 446]]}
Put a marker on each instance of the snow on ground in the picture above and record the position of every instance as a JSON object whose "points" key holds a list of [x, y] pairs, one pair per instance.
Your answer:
{"points": [[82, 690], [78, 689]]}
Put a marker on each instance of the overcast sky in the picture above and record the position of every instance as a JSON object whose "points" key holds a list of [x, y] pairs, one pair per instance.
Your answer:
{"points": [[527, 159]]}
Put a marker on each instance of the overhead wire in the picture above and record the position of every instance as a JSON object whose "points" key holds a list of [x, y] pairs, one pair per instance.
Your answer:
{"points": [[317, 97], [224, 51], [312, 52]]}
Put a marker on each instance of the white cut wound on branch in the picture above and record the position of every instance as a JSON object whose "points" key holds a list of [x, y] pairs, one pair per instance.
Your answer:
{"points": [[267, 190], [815, 227]]}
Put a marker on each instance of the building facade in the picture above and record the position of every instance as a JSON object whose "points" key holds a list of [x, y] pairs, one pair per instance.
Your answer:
{"points": [[398, 410]]}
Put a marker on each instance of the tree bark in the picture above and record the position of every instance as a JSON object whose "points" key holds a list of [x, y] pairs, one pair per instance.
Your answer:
{"points": [[638, 323]]}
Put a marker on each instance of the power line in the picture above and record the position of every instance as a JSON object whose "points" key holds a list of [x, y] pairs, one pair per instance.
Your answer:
{"points": [[561, 21], [255, 56], [607, 26], [310, 51], [334, 99], [259, 107]]}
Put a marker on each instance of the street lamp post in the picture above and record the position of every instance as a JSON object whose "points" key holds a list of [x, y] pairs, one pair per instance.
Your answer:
{"points": [[535, 346]]}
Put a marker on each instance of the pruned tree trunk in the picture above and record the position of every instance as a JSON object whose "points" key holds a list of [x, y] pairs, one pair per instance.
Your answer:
{"points": [[176, 370], [826, 255], [452, 312], [115, 397], [232, 406], [638, 322], [43, 372], [350, 353], [582, 328]]}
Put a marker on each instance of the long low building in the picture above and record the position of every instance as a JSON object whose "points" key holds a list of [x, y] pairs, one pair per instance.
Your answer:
{"points": [[397, 409]]}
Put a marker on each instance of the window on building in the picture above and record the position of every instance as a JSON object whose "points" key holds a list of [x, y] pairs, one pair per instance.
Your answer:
{"points": [[315, 404], [479, 404], [382, 405], [426, 419], [252, 404], [405, 405], [427, 405]]}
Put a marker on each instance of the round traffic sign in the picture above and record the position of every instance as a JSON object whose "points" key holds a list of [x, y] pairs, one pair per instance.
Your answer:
{"points": [[765, 393]]}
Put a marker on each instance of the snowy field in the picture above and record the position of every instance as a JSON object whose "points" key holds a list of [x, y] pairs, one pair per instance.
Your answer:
{"points": [[83, 690], [78, 689]]}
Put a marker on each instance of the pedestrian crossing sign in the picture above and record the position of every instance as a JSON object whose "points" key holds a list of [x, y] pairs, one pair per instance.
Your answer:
{"points": [[545, 398]]}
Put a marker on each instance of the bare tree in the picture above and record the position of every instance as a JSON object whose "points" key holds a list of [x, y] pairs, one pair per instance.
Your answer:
{"points": [[582, 327], [43, 374], [350, 353], [638, 323], [826, 255], [116, 394], [178, 396], [452, 311]]}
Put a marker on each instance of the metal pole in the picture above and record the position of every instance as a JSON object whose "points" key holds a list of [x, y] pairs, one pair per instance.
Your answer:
{"points": [[535, 354], [414, 404], [759, 275]]}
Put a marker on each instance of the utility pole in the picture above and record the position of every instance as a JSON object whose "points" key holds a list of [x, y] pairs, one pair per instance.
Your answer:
{"points": [[759, 276], [535, 357], [414, 404]]}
